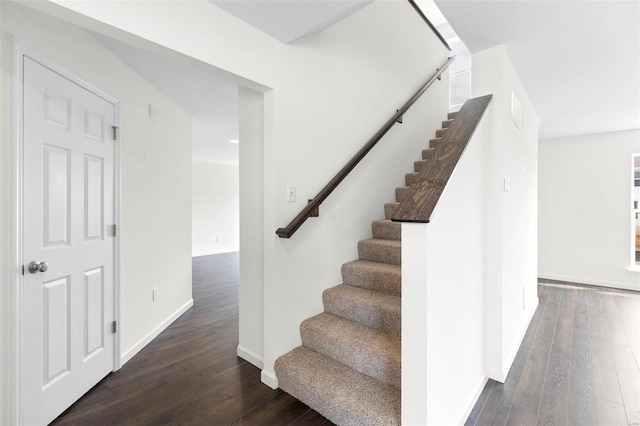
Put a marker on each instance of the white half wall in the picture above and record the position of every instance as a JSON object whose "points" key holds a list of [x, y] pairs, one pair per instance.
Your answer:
{"points": [[215, 209], [510, 248], [586, 232], [155, 171], [443, 293]]}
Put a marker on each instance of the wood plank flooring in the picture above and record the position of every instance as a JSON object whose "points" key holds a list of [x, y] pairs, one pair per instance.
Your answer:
{"points": [[579, 363], [190, 374]]}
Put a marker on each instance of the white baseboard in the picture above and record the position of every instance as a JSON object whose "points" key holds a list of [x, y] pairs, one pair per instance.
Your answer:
{"points": [[154, 333], [578, 280], [249, 356], [474, 399], [269, 378]]}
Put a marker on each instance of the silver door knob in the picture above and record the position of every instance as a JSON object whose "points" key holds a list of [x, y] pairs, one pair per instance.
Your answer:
{"points": [[36, 266]]}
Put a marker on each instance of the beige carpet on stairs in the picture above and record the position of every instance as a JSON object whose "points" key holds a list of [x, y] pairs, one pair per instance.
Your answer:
{"points": [[349, 365]]}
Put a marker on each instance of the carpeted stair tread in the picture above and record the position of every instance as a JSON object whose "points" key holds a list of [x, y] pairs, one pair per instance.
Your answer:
{"points": [[389, 208], [419, 165], [339, 393], [384, 229], [383, 251], [411, 178], [401, 193], [349, 367], [376, 276], [428, 153], [366, 350], [433, 143], [371, 308]]}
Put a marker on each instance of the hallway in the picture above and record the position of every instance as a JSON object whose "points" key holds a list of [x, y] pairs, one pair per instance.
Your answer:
{"points": [[190, 374]]}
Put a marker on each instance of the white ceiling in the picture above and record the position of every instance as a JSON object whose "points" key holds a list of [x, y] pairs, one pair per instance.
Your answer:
{"points": [[212, 102], [579, 61], [288, 20]]}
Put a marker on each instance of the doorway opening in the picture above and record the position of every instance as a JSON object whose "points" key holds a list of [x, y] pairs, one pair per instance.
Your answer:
{"points": [[155, 178]]}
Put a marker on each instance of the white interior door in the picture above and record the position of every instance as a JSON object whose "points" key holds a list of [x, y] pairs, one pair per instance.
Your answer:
{"points": [[68, 193]]}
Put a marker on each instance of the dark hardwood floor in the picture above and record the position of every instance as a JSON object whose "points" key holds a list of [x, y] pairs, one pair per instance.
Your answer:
{"points": [[578, 363], [190, 374]]}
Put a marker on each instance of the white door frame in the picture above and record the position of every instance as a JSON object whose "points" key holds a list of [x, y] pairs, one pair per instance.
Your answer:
{"points": [[16, 282]]}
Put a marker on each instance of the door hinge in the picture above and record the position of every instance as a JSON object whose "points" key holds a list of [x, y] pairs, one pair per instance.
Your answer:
{"points": [[112, 230], [115, 133], [114, 327]]}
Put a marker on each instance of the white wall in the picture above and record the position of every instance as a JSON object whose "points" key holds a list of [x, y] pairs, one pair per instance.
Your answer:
{"points": [[331, 92], [155, 176], [585, 221], [442, 264], [252, 224], [215, 209], [6, 270], [510, 248]]}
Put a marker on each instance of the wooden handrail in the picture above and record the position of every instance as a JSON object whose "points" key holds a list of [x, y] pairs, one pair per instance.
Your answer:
{"points": [[428, 22], [314, 204], [424, 194]]}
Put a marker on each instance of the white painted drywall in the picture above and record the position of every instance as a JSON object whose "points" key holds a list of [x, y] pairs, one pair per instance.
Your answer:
{"points": [[155, 174], [6, 270], [251, 119], [331, 92], [215, 209], [442, 267], [510, 248], [585, 221]]}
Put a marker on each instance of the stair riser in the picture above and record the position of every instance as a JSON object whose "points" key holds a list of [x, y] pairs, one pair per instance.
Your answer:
{"points": [[386, 230], [384, 318], [428, 153], [419, 165], [372, 364], [376, 278], [452, 115], [367, 250], [440, 133], [411, 178], [446, 123], [346, 398], [401, 193], [389, 208], [433, 143]]}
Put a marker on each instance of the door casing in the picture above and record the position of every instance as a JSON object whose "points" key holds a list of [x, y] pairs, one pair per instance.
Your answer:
{"points": [[16, 261]]}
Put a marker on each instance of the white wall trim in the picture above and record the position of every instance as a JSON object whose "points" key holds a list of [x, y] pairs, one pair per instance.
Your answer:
{"points": [[588, 281], [20, 50], [154, 333], [250, 356], [269, 379], [15, 285]]}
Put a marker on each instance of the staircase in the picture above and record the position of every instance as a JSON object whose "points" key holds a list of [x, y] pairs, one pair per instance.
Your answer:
{"points": [[349, 365]]}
